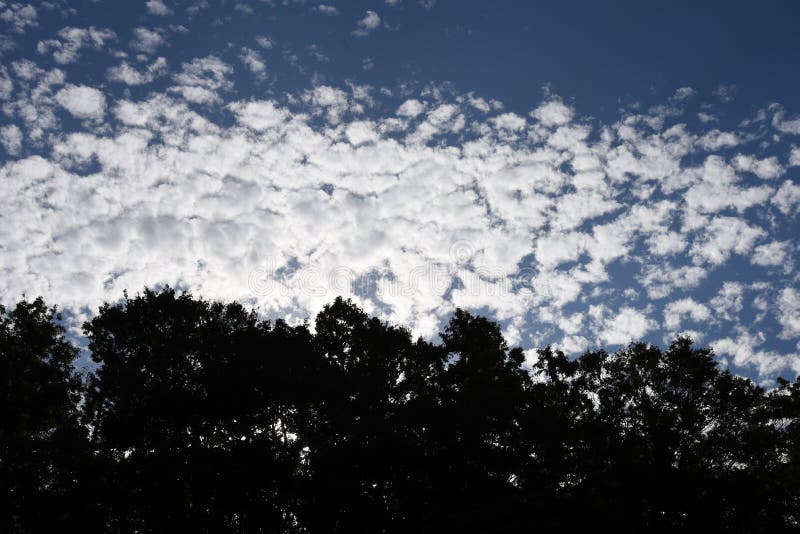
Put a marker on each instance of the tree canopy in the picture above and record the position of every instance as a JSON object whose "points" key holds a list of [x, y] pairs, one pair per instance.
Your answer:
{"points": [[202, 417]]}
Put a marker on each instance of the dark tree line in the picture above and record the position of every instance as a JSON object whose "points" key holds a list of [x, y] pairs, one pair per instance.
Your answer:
{"points": [[201, 417]]}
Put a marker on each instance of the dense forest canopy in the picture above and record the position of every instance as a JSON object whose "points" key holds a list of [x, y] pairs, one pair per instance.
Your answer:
{"points": [[202, 417]]}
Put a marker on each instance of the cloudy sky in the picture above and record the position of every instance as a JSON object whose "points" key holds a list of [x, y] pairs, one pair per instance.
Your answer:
{"points": [[585, 174]]}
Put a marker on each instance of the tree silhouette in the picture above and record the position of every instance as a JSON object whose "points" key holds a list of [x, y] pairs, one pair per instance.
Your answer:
{"points": [[192, 402], [476, 433], [200, 416], [663, 440], [350, 430], [43, 452]]}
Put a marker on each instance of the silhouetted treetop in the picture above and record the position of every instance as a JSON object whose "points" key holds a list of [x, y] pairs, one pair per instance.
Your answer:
{"points": [[201, 416], [42, 453]]}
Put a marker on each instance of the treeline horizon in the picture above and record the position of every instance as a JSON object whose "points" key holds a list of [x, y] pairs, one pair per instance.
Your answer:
{"points": [[202, 417]]}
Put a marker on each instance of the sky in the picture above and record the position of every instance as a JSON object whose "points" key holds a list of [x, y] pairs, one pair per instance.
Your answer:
{"points": [[585, 173]]}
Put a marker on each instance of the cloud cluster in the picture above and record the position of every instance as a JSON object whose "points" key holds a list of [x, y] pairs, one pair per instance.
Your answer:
{"points": [[18, 16], [130, 75], [254, 62], [67, 45], [566, 229], [201, 80], [146, 40], [82, 102], [369, 23], [158, 7]]}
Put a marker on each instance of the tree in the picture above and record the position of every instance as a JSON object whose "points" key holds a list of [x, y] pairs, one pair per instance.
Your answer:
{"points": [[658, 441], [191, 403], [475, 439], [353, 430], [43, 452], [201, 416]]}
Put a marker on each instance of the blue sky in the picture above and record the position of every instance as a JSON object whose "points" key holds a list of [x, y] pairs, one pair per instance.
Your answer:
{"points": [[586, 173], [600, 53]]}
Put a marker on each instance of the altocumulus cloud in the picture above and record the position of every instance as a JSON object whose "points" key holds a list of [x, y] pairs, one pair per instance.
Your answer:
{"points": [[82, 102], [566, 229]]}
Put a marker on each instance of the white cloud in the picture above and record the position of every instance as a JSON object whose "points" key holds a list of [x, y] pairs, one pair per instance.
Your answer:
{"points": [[6, 85], [667, 243], [661, 280], [201, 79], [66, 48], [723, 236], [789, 313], [788, 126], [744, 350], [509, 121], [558, 287], [411, 108], [158, 7], [480, 103], [553, 113], [330, 101], [772, 254], [18, 16], [728, 302], [244, 8], [573, 344], [712, 197], [683, 93], [628, 325], [370, 22], [260, 116], [315, 51], [725, 92], [82, 102], [360, 132], [265, 41], [794, 157], [326, 9], [675, 313], [554, 249], [441, 120], [146, 40], [787, 198], [705, 118], [11, 139], [766, 169], [33, 103], [129, 75], [716, 139], [254, 62]]}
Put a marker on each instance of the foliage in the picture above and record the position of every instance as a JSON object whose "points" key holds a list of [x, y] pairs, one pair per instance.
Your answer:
{"points": [[203, 417]]}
